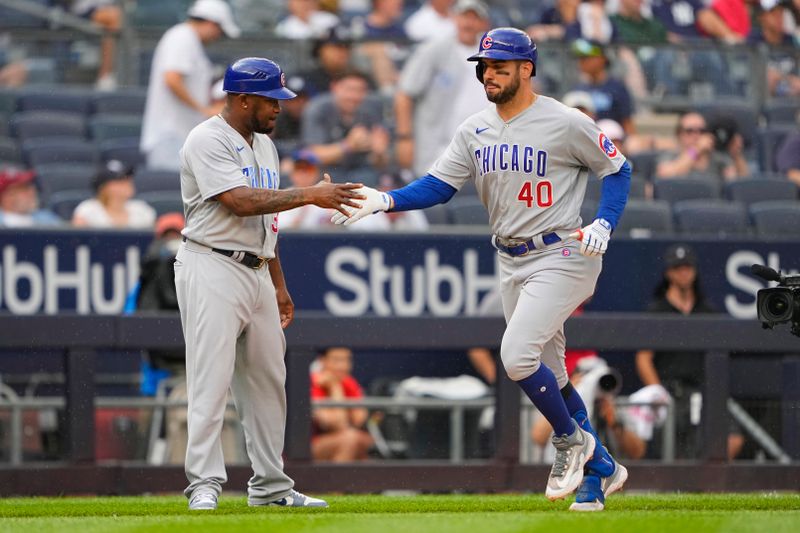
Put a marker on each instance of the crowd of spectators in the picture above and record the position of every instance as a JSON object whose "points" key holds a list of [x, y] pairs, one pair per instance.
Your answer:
{"points": [[389, 83]]}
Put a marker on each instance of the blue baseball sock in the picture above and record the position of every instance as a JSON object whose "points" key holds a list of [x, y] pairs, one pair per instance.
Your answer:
{"points": [[542, 388], [590, 490], [601, 463]]}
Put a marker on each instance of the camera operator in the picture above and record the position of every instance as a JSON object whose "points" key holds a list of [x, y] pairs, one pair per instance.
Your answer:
{"points": [[681, 372], [715, 149]]}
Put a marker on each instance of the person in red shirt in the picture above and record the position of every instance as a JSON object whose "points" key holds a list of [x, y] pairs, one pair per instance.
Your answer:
{"points": [[338, 433]]}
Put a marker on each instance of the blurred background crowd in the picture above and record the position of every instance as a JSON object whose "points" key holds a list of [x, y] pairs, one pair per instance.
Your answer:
{"points": [[703, 96]]}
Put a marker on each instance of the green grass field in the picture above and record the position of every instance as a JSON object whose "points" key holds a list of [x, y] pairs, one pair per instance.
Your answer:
{"points": [[773, 513]]}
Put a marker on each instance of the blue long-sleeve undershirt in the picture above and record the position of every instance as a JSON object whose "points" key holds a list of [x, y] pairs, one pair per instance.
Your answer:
{"points": [[419, 194], [614, 195]]}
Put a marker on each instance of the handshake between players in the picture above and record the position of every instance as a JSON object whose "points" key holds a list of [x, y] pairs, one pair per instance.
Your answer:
{"points": [[593, 238]]}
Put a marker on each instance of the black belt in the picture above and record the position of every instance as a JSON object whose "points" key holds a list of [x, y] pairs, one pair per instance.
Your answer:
{"points": [[526, 246], [246, 258]]}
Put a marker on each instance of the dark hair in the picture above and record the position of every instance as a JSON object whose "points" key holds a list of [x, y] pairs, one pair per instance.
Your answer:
{"points": [[351, 73], [679, 127], [661, 289]]}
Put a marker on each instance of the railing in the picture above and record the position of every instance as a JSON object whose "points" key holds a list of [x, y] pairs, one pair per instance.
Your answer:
{"points": [[79, 336]]}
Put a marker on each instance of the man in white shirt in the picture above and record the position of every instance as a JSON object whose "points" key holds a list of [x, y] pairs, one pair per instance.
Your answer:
{"points": [[437, 90], [179, 93], [305, 21], [432, 20]]}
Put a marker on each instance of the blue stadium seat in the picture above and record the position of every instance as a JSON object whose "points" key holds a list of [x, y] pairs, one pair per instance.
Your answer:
{"points": [[59, 150], [467, 211], [38, 124], [742, 111], [437, 215], [643, 164], [56, 178], [113, 126], [711, 217], [677, 189], [55, 99], [126, 101], [125, 149], [778, 218], [782, 112], [753, 190], [163, 201], [654, 217], [10, 151], [15, 19], [151, 180], [159, 14], [63, 203], [8, 100], [768, 143]]}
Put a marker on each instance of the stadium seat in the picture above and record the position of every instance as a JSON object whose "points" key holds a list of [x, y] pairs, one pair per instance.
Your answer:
{"points": [[437, 215], [114, 126], [159, 14], [468, 189], [646, 216], [151, 180], [163, 201], [49, 150], [750, 191], [768, 143], [742, 111], [711, 217], [16, 19], [676, 189], [38, 124], [55, 99], [5, 128], [56, 178], [125, 149], [643, 164], [594, 188], [467, 211], [782, 112], [8, 100], [126, 101], [10, 151], [777, 218], [63, 203]]}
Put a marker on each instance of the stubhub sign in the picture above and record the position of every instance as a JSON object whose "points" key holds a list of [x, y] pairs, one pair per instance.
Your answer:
{"points": [[351, 274]]}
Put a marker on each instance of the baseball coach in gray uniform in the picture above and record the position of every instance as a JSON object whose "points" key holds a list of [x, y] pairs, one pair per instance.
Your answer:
{"points": [[530, 157], [231, 290]]}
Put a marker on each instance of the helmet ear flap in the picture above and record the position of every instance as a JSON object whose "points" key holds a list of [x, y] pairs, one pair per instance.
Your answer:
{"points": [[479, 68]]}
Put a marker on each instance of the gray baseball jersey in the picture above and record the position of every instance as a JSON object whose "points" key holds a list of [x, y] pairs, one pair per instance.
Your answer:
{"points": [[215, 159], [530, 172]]}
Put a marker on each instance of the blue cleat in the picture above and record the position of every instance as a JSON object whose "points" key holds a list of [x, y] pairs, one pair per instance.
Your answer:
{"points": [[589, 497]]}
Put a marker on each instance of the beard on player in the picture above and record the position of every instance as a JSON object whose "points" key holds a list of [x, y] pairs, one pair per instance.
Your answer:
{"points": [[505, 95], [264, 114]]}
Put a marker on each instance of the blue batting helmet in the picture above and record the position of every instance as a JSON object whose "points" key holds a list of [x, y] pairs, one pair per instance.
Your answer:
{"points": [[509, 44], [259, 76]]}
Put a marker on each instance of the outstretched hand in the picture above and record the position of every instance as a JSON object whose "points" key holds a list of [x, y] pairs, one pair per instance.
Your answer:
{"points": [[339, 196], [594, 237], [374, 201]]}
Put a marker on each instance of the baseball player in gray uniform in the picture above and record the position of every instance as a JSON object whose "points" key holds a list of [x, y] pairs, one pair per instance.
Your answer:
{"points": [[231, 290], [530, 157]]}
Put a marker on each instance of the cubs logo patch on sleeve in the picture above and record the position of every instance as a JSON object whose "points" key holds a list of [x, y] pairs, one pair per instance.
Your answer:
{"points": [[607, 146]]}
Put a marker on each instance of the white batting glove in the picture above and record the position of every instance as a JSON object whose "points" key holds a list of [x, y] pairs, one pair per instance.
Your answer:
{"points": [[375, 201], [594, 237]]}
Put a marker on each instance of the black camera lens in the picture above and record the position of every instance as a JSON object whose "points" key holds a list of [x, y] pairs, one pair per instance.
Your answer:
{"points": [[777, 305]]}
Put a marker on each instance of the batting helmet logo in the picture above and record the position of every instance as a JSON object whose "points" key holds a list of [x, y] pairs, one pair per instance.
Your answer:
{"points": [[283, 79], [607, 146], [486, 43]]}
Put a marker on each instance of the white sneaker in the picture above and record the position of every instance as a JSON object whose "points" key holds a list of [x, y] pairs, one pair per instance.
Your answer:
{"points": [[615, 481], [572, 453], [294, 499], [203, 501]]}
